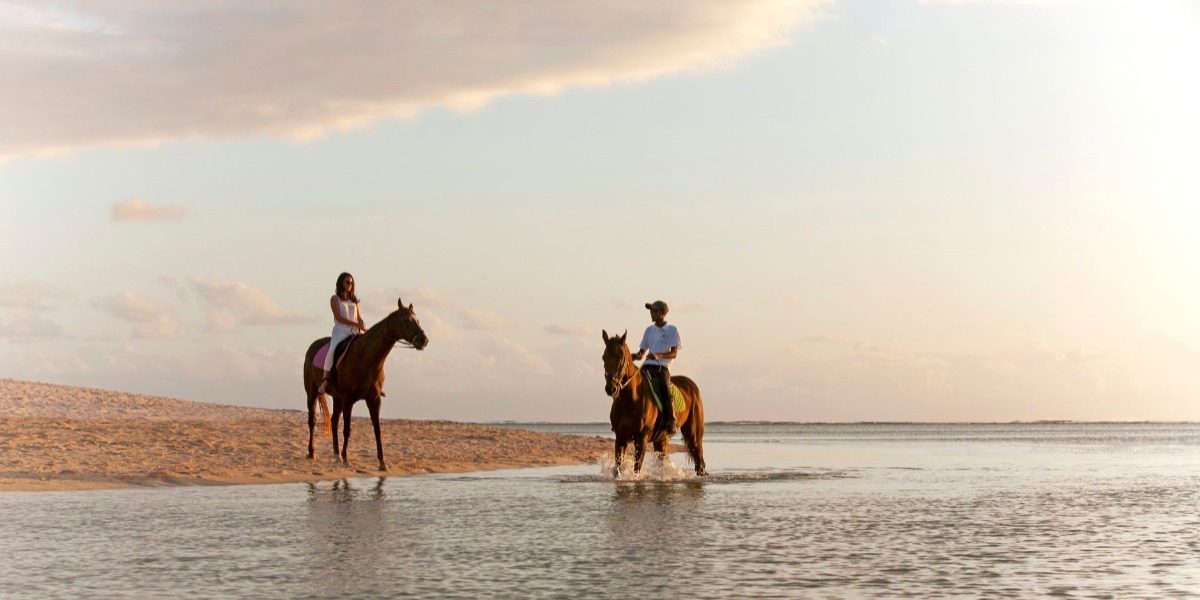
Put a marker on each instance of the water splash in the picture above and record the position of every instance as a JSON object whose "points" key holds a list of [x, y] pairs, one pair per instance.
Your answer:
{"points": [[655, 467]]}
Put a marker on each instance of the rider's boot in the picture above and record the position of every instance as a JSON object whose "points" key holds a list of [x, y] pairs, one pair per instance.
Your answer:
{"points": [[324, 383], [666, 419]]}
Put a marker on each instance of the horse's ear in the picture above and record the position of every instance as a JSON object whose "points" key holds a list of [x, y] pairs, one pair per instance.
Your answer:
{"points": [[604, 334], [624, 335], [400, 302], [409, 306]]}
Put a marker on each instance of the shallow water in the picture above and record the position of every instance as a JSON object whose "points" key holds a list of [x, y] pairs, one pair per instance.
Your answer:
{"points": [[1077, 510]]}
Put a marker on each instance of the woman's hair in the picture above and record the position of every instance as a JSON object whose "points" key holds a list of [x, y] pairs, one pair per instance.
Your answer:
{"points": [[340, 284]]}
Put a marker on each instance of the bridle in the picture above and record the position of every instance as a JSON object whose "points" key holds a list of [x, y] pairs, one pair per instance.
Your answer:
{"points": [[395, 340], [617, 387]]}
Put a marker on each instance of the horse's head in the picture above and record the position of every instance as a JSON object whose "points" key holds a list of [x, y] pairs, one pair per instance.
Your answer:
{"points": [[403, 325], [616, 362]]}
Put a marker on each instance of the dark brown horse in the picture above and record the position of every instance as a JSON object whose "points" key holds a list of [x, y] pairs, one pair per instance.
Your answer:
{"points": [[360, 376], [634, 413]]}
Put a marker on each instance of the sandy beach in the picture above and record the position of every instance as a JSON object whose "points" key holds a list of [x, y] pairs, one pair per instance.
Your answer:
{"points": [[55, 437]]}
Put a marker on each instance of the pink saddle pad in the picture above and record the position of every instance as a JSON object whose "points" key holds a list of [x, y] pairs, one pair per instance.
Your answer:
{"points": [[319, 357]]}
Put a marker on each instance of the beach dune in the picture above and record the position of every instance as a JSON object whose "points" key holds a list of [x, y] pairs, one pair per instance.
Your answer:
{"points": [[55, 437]]}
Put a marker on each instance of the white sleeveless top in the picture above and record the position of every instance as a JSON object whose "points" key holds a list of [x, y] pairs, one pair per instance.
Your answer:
{"points": [[348, 310]]}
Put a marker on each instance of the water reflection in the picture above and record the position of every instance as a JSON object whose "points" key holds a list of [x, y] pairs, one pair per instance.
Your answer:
{"points": [[342, 490], [657, 511], [665, 494], [347, 530]]}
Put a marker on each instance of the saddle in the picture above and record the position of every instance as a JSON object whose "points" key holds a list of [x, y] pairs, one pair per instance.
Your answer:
{"points": [[338, 353]]}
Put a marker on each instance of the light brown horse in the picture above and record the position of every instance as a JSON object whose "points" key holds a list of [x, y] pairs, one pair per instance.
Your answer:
{"points": [[360, 376], [634, 413]]}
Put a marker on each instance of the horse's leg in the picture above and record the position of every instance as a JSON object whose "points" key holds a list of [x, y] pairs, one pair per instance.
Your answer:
{"points": [[373, 406], [693, 434], [312, 420], [335, 415], [639, 453], [619, 455], [348, 408], [660, 445]]}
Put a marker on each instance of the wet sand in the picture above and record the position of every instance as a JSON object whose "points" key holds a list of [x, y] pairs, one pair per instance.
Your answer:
{"points": [[55, 437]]}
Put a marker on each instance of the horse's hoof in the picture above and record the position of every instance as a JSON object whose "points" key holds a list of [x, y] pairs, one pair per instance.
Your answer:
{"points": [[383, 467], [312, 456]]}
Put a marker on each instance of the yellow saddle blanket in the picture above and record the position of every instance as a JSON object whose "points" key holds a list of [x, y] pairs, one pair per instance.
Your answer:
{"points": [[676, 398]]}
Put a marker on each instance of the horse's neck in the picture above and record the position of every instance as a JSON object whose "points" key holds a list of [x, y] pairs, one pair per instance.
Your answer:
{"points": [[376, 343], [633, 389]]}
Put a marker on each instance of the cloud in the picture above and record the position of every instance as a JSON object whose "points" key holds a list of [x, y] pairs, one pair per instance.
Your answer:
{"points": [[129, 307], [149, 320], [583, 368], [220, 363], [216, 372], [136, 209], [220, 322], [438, 329], [424, 296], [386, 298], [483, 318], [573, 330], [506, 355], [24, 324], [28, 294], [128, 72], [232, 303]]}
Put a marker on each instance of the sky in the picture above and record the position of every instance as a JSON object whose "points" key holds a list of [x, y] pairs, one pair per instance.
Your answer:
{"points": [[858, 211]]}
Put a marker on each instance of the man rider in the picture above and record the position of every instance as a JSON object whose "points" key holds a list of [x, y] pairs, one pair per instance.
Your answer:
{"points": [[661, 341]]}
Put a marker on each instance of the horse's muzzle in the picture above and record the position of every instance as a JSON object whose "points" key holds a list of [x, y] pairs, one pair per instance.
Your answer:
{"points": [[421, 342]]}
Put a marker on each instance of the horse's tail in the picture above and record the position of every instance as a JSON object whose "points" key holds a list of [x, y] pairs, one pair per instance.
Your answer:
{"points": [[324, 410]]}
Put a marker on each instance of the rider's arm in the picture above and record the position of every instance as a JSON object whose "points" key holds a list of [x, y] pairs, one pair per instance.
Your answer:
{"points": [[643, 347], [669, 354]]}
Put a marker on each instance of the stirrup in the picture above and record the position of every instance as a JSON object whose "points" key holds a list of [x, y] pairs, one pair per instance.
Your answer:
{"points": [[323, 385]]}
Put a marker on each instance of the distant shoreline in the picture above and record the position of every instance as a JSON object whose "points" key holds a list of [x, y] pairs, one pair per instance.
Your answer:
{"points": [[62, 438]]}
